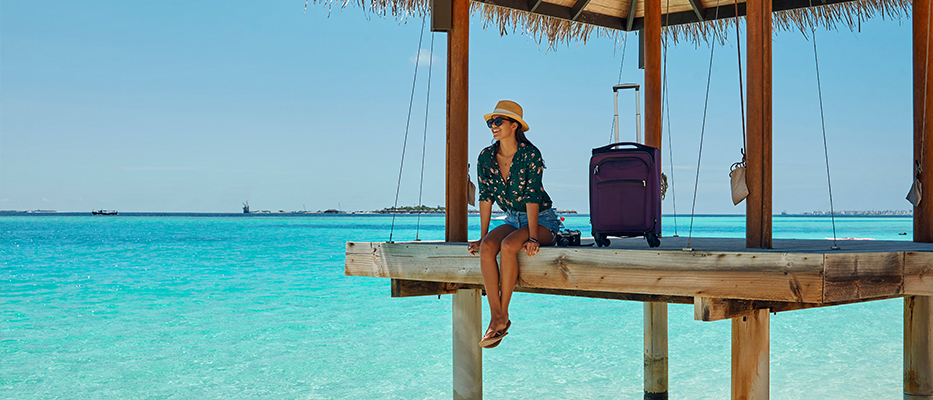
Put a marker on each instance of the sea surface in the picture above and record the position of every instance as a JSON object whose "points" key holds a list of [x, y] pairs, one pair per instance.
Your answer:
{"points": [[258, 307]]}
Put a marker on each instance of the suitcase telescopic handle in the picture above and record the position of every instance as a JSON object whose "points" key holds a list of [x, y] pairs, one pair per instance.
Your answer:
{"points": [[610, 147]]}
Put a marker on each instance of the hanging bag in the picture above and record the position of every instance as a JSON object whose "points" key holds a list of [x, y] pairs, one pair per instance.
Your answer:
{"points": [[915, 193], [737, 176]]}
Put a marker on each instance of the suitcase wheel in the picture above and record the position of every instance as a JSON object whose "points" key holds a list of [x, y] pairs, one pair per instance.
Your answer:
{"points": [[601, 240], [653, 240]]}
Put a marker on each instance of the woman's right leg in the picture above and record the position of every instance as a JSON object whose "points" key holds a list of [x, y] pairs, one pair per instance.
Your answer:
{"points": [[489, 249]]}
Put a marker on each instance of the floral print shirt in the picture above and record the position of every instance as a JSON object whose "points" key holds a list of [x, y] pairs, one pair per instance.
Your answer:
{"points": [[524, 184]]}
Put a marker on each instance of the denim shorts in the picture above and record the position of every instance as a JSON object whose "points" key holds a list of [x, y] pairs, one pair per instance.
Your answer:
{"points": [[547, 218]]}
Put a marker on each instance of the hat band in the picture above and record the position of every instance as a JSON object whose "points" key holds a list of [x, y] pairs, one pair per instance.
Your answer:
{"points": [[505, 112]]}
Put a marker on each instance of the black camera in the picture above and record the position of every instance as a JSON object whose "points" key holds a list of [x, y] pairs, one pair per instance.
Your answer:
{"points": [[568, 237]]}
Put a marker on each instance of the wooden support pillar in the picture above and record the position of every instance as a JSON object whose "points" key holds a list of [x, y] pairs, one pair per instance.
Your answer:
{"points": [[655, 313], [467, 313], [750, 356], [458, 61], [918, 310], [923, 132], [655, 351], [468, 356], [758, 172], [918, 348], [653, 83]]}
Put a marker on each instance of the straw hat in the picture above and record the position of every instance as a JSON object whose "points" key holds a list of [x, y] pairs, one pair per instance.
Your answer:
{"points": [[511, 109]]}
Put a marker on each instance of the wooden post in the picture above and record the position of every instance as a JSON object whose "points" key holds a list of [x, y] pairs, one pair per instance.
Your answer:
{"points": [[655, 313], [758, 172], [653, 84], [467, 313], [918, 311], [655, 351], [918, 348], [923, 132], [750, 356], [458, 61], [468, 356]]}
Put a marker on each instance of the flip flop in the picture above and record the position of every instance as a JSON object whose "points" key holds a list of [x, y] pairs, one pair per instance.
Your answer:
{"points": [[496, 339], [494, 345]]}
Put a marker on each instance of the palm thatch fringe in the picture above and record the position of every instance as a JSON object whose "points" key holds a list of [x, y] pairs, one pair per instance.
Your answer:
{"points": [[556, 31], [831, 17]]}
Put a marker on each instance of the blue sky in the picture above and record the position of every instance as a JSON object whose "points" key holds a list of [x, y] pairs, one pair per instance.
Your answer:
{"points": [[199, 106]]}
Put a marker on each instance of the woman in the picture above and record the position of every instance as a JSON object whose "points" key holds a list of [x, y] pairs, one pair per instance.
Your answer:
{"points": [[509, 173]]}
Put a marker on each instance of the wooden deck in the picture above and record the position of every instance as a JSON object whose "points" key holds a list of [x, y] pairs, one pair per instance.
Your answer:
{"points": [[720, 276]]}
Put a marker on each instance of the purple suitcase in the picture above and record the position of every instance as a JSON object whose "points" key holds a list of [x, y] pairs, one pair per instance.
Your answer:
{"points": [[625, 192]]}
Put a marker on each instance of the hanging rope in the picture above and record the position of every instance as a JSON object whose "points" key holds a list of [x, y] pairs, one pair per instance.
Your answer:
{"points": [[819, 87], [709, 79], [738, 47], [424, 143], [666, 107], [411, 101], [738, 170], [624, 42]]}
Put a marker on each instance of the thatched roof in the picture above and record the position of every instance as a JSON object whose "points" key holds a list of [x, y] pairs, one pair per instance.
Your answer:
{"points": [[564, 21]]}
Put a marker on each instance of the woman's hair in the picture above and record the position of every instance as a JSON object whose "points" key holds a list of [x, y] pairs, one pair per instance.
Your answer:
{"points": [[519, 134]]}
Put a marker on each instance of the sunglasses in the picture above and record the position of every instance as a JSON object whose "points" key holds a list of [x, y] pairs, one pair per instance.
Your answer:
{"points": [[497, 121]]}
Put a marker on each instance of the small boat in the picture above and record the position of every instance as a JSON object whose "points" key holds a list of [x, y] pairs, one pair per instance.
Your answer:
{"points": [[104, 212]]}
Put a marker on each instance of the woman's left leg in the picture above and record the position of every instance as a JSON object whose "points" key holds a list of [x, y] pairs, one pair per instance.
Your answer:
{"points": [[508, 266]]}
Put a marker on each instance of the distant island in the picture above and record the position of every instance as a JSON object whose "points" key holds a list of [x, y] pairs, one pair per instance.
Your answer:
{"points": [[902, 213], [441, 210], [390, 210]]}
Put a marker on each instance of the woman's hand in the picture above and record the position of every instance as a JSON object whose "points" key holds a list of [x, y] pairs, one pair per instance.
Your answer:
{"points": [[531, 247], [473, 247]]}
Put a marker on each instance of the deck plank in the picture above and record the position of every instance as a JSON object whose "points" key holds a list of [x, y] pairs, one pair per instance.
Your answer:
{"points": [[795, 271]]}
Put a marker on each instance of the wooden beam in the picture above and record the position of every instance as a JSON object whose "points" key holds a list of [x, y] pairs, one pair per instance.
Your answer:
{"points": [[707, 309], [440, 16], [918, 348], [608, 295], [447, 288], [533, 5], [758, 172], [697, 7], [577, 9], [750, 356], [614, 22], [656, 354], [758, 276], [923, 107], [409, 288], [630, 16], [862, 276]]}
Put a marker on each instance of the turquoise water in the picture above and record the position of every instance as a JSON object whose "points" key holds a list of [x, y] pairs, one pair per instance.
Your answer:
{"points": [[138, 307]]}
